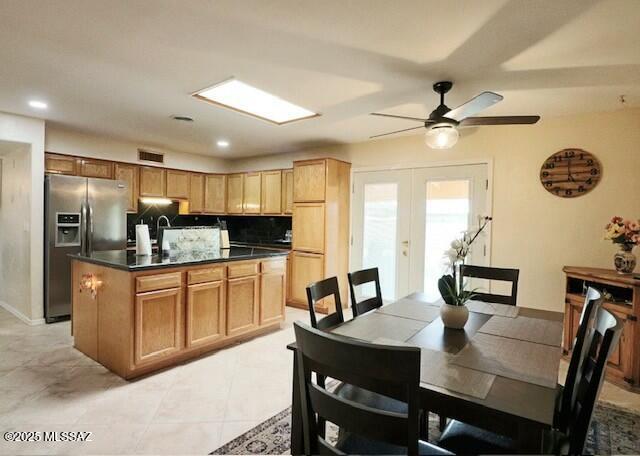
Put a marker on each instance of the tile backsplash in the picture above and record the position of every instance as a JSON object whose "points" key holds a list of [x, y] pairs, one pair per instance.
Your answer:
{"points": [[244, 228]]}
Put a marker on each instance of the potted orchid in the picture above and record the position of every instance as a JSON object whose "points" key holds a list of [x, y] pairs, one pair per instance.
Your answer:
{"points": [[453, 312], [625, 233]]}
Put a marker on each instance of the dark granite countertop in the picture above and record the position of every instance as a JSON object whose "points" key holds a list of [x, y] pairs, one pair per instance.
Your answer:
{"points": [[128, 261]]}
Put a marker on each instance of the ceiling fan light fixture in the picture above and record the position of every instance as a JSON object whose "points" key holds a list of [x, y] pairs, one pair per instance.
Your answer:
{"points": [[442, 136]]}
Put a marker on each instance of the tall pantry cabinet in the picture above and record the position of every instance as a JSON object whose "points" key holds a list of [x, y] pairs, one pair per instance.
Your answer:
{"points": [[320, 248]]}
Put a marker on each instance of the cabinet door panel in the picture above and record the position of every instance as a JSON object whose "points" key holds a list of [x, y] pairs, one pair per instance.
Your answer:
{"points": [[309, 181], [306, 268], [95, 168], [252, 193], [129, 174], [205, 313], [177, 184], [242, 305], [215, 193], [235, 191], [287, 191], [152, 181], [196, 193], [308, 227], [158, 325], [272, 296], [60, 164], [271, 192]]}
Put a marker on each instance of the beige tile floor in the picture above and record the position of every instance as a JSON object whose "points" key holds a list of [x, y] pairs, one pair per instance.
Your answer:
{"points": [[46, 385]]}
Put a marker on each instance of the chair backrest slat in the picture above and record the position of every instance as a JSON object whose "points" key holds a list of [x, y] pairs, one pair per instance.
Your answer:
{"points": [[593, 301], [600, 344], [489, 273], [360, 278], [378, 368], [321, 290]]}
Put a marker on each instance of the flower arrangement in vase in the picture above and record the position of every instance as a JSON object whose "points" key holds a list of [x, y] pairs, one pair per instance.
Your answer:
{"points": [[453, 312], [625, 233]]}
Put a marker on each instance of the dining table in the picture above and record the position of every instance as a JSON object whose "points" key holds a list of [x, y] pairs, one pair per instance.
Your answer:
{"points": [[498, 373]]}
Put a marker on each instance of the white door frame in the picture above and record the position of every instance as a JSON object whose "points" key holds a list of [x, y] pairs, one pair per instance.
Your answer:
{"points": [[435, 164]]}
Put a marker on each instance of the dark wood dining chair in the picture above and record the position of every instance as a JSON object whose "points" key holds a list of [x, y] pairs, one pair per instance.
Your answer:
{"points": [[599, 344], [321, 290], [489, 273], [392, 371], [567, 394], [361, 278]]}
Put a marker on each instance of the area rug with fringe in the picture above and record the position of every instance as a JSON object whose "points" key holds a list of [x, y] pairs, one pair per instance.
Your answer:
{"points": [[613, 431]]}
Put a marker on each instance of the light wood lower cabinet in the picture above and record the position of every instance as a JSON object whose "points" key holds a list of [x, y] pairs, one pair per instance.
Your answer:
{"points": [[306, 268], [243, 299], [158, 325], [205, 315], [272, 291]]}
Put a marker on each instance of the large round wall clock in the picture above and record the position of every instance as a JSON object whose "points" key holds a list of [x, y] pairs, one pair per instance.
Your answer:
{"points": [[570, 172]]}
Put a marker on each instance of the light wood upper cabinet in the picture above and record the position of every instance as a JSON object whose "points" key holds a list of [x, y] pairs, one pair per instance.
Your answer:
{"points": [[287, 191], [177, 184], [152, 181], [252, 193], [309, 178], [308, 227], [158, 325], [129, 174], [88, 167], [215, 193], [271, 192], [243, 300], [60, 164], [235, 192], [272, 291], [205, 313], [196, 192]]}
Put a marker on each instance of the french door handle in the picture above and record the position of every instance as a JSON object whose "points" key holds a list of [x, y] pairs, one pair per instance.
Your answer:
{"points": [[405, 243]]}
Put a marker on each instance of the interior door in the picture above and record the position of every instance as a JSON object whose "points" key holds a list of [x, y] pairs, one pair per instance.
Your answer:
{"points": [[446, 201], [381, 229]]}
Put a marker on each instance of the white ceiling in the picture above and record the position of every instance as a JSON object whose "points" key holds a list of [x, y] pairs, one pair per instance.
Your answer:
{"points": [[123, 67]]}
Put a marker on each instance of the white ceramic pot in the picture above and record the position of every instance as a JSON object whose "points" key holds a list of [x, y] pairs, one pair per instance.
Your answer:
{"points": [[454, 317]]}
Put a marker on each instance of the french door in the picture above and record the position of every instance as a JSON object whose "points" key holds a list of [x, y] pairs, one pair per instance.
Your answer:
{"points": [[405, 220]]}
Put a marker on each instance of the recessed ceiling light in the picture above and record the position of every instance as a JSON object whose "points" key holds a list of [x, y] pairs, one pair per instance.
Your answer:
{"points": [[222, 143], [37, 104], [247, 99]]}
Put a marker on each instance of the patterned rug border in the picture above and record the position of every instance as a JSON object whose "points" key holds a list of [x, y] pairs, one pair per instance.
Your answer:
{"points": [[230, 446]]}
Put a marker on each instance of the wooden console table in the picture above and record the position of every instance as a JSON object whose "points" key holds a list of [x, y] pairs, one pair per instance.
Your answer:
{"points": [[622, 298]]}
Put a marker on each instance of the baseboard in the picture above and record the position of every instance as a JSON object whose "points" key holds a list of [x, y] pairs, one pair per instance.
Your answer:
{"points": [[15, 312]]}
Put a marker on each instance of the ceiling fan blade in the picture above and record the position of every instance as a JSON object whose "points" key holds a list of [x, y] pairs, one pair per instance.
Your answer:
{"points": [[417, 119], [474, 106], [499, 120], [393, 132]]}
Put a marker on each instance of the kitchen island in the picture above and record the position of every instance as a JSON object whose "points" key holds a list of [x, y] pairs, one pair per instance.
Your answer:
{"points": [[137, 314]]}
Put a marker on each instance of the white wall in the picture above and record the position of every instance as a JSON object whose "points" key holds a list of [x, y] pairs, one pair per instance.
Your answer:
{"points": [[532, 229], [64, 141], [29, 223]]}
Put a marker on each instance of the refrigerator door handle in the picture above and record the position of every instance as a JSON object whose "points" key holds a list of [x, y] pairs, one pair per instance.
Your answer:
{"points": [[83, 229], [90, 232]]}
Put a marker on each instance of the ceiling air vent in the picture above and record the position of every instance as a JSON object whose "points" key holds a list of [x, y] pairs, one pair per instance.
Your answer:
{"points": [[145, 155]]}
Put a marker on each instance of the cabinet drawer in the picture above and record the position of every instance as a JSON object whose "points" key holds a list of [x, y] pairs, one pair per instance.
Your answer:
{"points": [[158, 282], [205, 275], [242, 269], [278, 265]]}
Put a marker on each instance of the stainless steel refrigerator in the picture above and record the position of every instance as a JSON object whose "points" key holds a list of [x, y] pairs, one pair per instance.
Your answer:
{"points": [[82, 215]]}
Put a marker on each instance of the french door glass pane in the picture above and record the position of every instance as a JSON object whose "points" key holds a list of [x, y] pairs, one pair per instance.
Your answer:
{"points": [[379, 236], [447, 215]]}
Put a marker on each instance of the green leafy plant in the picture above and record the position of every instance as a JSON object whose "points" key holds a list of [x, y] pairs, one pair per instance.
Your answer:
{"points": [[450, 292]]}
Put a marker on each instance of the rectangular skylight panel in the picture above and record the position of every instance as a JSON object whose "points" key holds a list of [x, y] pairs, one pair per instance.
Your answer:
{"points": [[242, 97]]}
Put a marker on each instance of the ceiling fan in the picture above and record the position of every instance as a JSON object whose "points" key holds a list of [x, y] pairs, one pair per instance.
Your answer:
{"points": [[443, 122]]}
